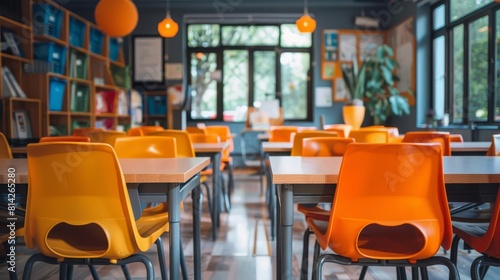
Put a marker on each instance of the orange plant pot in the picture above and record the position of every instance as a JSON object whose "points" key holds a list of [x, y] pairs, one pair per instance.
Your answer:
{"points": [[353, 115]]}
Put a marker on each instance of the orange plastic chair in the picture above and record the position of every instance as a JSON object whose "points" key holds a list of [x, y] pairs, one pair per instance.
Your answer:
{"points": [[64, 139], [62, 226], [483, 238], [456, 138], [342, 129], [373, 221], [224, 133], [281, 133], [442, 137], [318, 147], [5, 151], [142, 130], [196, 130], [300, 136], [373, 135], [105, 136], [142, 147], [494, 149], [82, 131]]}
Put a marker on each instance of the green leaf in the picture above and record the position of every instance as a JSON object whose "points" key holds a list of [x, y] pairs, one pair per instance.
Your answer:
{"points": [[387, 75]]}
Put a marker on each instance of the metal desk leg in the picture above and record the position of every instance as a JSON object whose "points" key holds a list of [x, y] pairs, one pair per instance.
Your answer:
{"points": [[197, 206], [278, 236], [174, 218], [286, 221]]}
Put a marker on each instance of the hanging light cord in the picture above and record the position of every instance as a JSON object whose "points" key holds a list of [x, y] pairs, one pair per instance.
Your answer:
{"points": [[168, 8], [305, 8]]}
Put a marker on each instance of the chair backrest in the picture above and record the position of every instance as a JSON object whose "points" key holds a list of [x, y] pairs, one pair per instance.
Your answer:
{"points": [[146, 147], [442, 137], [299, 136], [325, 146], [394, 191], [456, 138], [82, 131], [373, 135], [182, 140], [78, 204], [342, 129], [196, 130], [105, 136], [142, 130], [64, 139], [224, 133], [204, 138], [494, 149], [5, 151], [281, 133]]}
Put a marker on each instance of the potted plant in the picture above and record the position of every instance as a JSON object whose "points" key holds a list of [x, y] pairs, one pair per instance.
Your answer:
{"points": [[374, 84]]}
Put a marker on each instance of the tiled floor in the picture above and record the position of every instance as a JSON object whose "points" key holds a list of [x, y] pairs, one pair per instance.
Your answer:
{"points": [[243, 249]]}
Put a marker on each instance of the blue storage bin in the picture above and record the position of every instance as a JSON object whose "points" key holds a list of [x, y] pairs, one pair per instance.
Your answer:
{"points": [[76, 32], [57, 89], [114, 49], [96, 41], [157, 105], [47, 20], [52, 53]]}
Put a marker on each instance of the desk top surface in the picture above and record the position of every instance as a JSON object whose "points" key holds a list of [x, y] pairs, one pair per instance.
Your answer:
{"points": [[325, 170], [168, 170]]}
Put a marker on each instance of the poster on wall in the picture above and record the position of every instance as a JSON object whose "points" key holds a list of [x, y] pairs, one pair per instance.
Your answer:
{"points": [[402, 40], [347, 47], [148, 61], [368, 44], [330, 45]]}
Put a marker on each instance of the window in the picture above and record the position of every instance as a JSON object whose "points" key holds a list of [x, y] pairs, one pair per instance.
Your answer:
{"points": [[465, 80], [235, 66]]}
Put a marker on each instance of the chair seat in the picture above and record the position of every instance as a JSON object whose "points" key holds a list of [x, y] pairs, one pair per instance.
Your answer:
{"points": [[314, 212], [473, 229]]}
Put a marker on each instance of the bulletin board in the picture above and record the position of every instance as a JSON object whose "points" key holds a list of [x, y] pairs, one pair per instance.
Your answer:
{"points": [[339, 49]]}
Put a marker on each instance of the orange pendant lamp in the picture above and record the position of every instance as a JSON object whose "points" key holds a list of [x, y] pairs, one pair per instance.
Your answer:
{"points": [[116, 18], [168, 28], [306, 24]]}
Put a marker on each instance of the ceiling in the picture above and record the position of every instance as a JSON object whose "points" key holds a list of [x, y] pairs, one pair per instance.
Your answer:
{"points": [[236, 3]]}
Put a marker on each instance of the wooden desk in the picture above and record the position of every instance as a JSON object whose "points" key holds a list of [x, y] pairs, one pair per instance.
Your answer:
{"points": [[312, 180], [173, 178], [214, 151]]}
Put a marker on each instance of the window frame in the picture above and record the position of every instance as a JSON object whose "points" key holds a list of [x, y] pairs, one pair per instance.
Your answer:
{"points": [[278, 49], [489, 10]]}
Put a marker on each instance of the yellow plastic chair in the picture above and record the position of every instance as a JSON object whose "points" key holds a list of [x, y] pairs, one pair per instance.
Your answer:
{"points": [[442, 137], [64, 139], [5, 151], [300, 136], [373, 221], [62, 226], [142, 130], [105, 136], [281, 133], [151, 147], [373, 135], [342, 129]]}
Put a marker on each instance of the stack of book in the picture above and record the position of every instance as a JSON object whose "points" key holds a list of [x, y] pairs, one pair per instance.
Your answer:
{"points": [[10, 87]]}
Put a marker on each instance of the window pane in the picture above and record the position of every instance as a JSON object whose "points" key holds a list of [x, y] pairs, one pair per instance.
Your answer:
{"points": [[460, 8], [497, 89], [204, 93], [264, 75], [294, 69], [203, 35], [439, 76], [292, 37], [235, 84], [478, 79], [250, 35], [439, 17], [458, 74]]}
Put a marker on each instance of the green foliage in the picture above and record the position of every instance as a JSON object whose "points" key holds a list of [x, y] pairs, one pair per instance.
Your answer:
{"points": [[374, 83]]}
